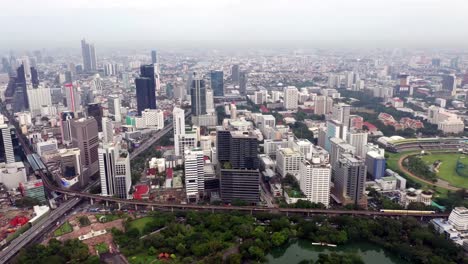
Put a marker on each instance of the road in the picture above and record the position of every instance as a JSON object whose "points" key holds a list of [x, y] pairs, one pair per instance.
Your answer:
{"points": [[155, 137], [36, 230]]}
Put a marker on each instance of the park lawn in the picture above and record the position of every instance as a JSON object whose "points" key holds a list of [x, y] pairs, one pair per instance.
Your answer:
{"points": [[447, 170], [140, 223], [102, 248], [63, 229], [392, 163]]}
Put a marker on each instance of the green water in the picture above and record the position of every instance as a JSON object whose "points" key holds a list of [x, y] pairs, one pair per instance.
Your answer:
{"points": [[299, 250]]}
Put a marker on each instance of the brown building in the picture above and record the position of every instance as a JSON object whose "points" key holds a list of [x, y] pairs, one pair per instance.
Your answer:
{"points": [[84, 133]]}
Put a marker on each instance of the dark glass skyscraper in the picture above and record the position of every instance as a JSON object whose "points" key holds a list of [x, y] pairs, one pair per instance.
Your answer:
{"points": [[235, 73], [243, 83], [238, 158], [146, 88], [34, 77], [95, 111], [20, 97], [217, 83], [198, 96], [154, 57]]}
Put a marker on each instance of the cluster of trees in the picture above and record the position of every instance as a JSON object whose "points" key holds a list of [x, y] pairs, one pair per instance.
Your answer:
{"points": [[56, 252], [301, 116], [300, 130], [206, 237], [370, 102], [26, 202], [138, 164], [417, 166]]}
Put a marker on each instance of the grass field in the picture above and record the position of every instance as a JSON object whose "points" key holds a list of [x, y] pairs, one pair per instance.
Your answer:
{"points": [[140, 223], [63, 229], [447, 170], [392, 163]]}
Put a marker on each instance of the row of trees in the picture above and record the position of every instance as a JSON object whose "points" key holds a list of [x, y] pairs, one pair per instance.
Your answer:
{"points": [[205, 237]]}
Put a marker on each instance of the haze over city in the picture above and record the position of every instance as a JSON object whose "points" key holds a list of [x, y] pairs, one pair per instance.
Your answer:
{"points": [[234, 132], [234, 23]]}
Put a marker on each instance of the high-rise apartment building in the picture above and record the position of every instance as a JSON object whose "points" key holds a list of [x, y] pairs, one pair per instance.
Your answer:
{"points": [[287, 161], [349, 175], [107, 130], [114, 106], [358, 139], [315, 178], [154, 57], [217, 82], [73, 98], [290, 97]]}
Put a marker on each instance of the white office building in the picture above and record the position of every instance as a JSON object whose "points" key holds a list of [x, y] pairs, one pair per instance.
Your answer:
{"points": [[107, 130], [154, 118], [459, 218], [37, 98], [115, 173], [287, 161], [194, 173]]}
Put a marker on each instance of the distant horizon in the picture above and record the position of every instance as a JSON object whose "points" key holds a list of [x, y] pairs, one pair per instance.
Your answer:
{"points": [[361, 24]]}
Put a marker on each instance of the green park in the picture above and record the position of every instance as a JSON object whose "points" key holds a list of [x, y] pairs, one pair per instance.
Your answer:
{"points": [[452, 167]]}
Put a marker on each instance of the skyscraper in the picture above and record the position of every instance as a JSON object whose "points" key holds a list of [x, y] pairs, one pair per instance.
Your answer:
{"points": [[154, 57], [449, 82], [95, 110], [114, 170], [194, 173], [198, 96], [107, 130], [34, 77], [235, 73], [73, 98], [7, 153], [114, 105], [349, 175], [89, 56], [20, 96], [146, 88], [84, 134], [237, 155], [217, 83], [65, 126], [243, 82]]}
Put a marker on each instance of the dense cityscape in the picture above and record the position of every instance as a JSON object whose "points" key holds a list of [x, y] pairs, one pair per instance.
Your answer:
{"points": [[221, 155]]}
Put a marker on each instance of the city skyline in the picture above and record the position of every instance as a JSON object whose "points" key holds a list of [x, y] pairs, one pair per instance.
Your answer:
{"points": [[271, 24]]}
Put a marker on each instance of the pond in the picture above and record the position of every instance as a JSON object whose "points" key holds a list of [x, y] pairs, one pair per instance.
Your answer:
{"points": [[299, 250]]}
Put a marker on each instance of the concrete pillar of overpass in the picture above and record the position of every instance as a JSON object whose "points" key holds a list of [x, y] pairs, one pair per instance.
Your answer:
{"points": [[118, 205], [172, 209], [287, 213], [107, 203], [65, 196], [152, 208], [91, 201], [136, 207], [212, 210]]}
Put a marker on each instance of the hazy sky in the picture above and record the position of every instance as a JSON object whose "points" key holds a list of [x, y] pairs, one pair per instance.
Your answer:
{"points": [[247, 23]]}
